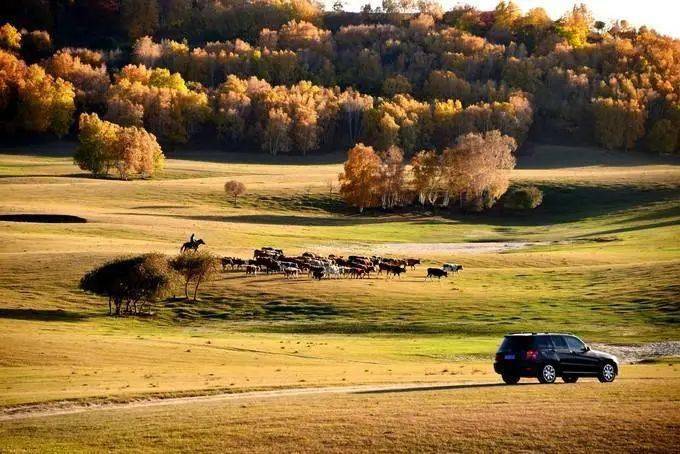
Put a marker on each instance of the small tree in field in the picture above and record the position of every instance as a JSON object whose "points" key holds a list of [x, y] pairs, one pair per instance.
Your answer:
{"points": [[360, 182], [234, 188], [195, 267], [131, 283]]}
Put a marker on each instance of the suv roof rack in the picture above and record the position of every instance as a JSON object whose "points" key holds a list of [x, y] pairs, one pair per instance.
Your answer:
{"points": [[539, 333]]}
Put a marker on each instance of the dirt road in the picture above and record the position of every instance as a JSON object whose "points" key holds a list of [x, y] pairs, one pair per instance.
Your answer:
{"points": [[67, 408]]}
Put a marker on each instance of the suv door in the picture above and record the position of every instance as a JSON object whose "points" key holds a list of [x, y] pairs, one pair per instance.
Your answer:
{"points": [[567, 360], [584, 361]]}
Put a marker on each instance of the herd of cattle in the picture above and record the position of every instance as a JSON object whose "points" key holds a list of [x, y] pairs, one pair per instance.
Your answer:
{"points": [[271, 260]]}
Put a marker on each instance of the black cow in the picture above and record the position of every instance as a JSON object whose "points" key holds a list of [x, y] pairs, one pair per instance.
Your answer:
{"points": [[396, 270], [436, 272]]}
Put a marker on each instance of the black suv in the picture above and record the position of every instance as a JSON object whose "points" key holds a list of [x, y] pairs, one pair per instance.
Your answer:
{"points": [[547, 356]]}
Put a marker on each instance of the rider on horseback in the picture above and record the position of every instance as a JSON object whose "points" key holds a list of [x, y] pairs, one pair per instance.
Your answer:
{"points": [[192, 244]]}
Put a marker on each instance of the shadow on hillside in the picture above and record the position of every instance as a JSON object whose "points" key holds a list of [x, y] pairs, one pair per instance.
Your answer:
{"points": [[43, 218], [38, 146], [43, 315], [231, 157], [217, 308], [565, 203], [544, 156], [562, 203], [283, 219], [634, 228]]}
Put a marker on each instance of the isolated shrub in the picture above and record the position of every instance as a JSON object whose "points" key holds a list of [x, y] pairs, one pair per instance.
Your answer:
{"points": [[195, 267], [524, 198], [131, 284], [105, 146], [234, 188]]}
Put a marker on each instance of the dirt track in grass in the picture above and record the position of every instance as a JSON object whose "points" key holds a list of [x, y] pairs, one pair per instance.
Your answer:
{"points": [[68, 408]]}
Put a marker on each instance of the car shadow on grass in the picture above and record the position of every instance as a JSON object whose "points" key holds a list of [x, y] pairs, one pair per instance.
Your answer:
{"points": [[441, 388]]}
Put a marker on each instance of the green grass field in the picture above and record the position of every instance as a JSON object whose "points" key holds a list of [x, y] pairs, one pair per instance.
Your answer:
{"points": [[604, 263]]}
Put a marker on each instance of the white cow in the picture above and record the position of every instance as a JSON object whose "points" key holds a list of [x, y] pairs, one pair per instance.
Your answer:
{"points": [[332, 271], [452, 267]]}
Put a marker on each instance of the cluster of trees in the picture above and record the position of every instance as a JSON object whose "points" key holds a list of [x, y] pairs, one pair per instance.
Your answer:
{"points": [[105, 147], [133, 284], [304, 117], [158, 100], [33, 100], [472, 174], [212, 64]]}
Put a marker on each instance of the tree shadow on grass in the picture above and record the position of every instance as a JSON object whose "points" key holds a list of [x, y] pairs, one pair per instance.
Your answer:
{"points": [[562, 203], [43, 315], [560, 156], [217, 308], [565, 203]]}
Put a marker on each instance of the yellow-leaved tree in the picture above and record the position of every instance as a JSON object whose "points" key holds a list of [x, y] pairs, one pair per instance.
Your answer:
{"points": [[360, 182]]}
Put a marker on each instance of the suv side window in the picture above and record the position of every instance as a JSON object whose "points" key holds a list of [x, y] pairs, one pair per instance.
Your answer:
{"points": [[560, 343], [543, 342], [574, 344]]}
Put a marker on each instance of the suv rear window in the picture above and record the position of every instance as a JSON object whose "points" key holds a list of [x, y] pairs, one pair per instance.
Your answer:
{"points": [[523, 343]]}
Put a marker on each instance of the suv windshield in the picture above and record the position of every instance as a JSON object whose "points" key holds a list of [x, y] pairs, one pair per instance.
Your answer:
{"points": [[523, 343]]}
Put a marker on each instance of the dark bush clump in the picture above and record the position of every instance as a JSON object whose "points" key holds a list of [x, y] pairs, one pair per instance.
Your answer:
{"points": [[525, 198]]}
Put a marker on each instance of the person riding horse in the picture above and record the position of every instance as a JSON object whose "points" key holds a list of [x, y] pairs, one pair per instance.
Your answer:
{"points": [[192, 244]]}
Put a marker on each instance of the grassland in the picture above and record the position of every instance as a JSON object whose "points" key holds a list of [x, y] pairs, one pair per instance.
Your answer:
{"points": [[636, 413], [604, 263]]}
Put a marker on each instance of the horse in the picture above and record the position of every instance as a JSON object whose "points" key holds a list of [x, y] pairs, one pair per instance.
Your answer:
{"points": [[191, 245]]}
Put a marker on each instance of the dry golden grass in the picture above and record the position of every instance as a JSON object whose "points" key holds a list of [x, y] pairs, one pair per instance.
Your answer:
{"points": [[638, 412]]}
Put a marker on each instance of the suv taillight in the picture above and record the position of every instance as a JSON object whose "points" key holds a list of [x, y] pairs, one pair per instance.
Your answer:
{"points": [[499, 356], [531, 355]]}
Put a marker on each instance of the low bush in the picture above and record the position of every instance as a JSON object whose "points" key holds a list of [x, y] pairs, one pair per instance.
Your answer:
{"points": [[524, 198]]}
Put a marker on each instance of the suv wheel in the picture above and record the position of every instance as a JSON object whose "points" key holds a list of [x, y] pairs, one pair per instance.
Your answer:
{"points": [[547, 373], [607, 373], [570, 378], [510, 379]]}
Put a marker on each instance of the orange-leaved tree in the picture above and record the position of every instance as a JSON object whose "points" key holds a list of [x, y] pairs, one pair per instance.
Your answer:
{"points": [[360, 182]]}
